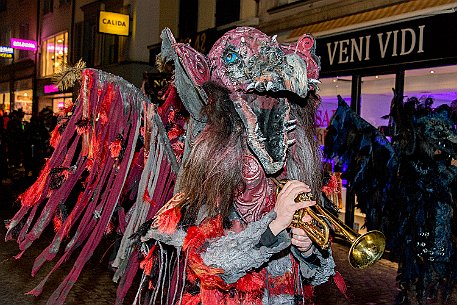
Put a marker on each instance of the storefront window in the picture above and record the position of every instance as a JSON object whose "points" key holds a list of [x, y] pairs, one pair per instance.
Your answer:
{"points": [[376, 98], [438, 83], [59, 103], [329, 89], [23, 97], [5, 97], [54, 54], [227, 11], [56, 102]]}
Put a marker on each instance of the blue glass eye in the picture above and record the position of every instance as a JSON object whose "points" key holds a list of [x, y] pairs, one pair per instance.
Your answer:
{"points": [[230, 57]]}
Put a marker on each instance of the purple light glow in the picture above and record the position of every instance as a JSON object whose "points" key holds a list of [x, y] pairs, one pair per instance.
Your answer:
{"points": [[50, 89], [22, 44]]}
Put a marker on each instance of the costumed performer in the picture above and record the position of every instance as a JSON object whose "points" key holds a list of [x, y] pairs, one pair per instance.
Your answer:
{"points": [[224, 237]]}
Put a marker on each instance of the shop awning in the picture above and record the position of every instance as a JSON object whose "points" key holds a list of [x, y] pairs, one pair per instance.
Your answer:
{"points": [[369, 16]]}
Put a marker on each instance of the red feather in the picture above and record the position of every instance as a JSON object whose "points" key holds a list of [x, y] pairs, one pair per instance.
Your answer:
{"points": [[332, 186], [57, 221], [341, 284], [195, 238], [148, 261], [253, 282], [55, 136], [209, 228], [106, 104], [115, 148], [147, 197], [188, 299], [34, 193], [168, 220]]}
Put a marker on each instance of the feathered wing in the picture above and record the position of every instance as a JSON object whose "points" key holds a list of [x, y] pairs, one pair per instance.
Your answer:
{"points": [[370, 160], [98, 164]]}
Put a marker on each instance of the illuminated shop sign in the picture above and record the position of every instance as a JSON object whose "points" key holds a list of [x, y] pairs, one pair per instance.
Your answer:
{"points": [[409, 43], [6, 52], [22, 44], [50, 89], [114, 23], [57, 48]]}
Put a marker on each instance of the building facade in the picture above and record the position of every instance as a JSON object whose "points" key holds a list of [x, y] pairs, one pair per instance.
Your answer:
{"points": [[64, 31], [18, 21], [55, 30]]}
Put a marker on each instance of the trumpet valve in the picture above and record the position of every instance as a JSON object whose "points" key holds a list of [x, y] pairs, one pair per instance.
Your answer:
{"points": [[304, 197], [298, 216]]}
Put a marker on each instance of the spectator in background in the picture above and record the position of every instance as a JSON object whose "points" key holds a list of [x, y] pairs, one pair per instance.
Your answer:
{"points": [[15, 138], [5, 120], [36, 148], [3, 166]]}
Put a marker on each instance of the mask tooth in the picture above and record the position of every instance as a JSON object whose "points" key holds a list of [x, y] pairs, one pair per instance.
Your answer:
{"points": [[269, 86], [291, 127], [259, 86], [250, 86], [290, 142], [274, 38], [291, 122], [262, 139]]}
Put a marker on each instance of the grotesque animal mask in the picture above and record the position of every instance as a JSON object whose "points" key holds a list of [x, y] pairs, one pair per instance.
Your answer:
{"points": [[262, 75], [439, 133]]}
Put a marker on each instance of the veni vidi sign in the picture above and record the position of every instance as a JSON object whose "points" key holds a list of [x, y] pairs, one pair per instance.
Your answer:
{"points": [[114, 23], [406, 43]]}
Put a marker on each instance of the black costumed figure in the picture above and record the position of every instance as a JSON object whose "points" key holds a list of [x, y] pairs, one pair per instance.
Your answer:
{"points": [[187, 185], [407, 188]]}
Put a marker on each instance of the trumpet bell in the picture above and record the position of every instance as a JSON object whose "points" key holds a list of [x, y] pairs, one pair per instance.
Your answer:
{"points": [[367, 249]]}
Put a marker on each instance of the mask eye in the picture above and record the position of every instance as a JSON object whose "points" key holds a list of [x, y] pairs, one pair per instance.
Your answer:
{"points": [[230, 57]]}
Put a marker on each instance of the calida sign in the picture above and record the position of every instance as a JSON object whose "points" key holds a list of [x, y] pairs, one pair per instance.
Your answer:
{"points": [[114, 23]]}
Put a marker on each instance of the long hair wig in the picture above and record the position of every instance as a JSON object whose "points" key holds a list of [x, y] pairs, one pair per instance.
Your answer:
{"points": [[213, 170]]}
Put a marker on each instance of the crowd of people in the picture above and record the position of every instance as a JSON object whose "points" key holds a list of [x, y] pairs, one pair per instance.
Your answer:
{"points": [[25, 144]]}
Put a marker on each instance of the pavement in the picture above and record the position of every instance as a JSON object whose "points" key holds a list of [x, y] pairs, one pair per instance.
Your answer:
{"points": [[372, 286]]}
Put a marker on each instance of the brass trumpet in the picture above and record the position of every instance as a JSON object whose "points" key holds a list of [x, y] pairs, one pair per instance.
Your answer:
{"points": [[366, 249]]}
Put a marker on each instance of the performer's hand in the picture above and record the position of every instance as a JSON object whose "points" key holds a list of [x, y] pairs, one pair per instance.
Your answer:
{"points": [[301, 240], [286, 206]]}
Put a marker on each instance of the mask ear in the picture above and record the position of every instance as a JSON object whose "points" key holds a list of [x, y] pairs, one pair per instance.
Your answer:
{"points": [[191, 72], [305, 47]]}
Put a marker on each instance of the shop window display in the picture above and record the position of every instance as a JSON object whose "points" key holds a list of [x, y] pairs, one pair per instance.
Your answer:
{"points": [[329, 89], [5, 97], [23, 97], [376, 98], [54, 54], [438, 83], [58, 104], [23, 100]]}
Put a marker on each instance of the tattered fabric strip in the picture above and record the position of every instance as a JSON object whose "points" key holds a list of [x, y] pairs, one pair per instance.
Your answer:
{"points": [[157, 179]]}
